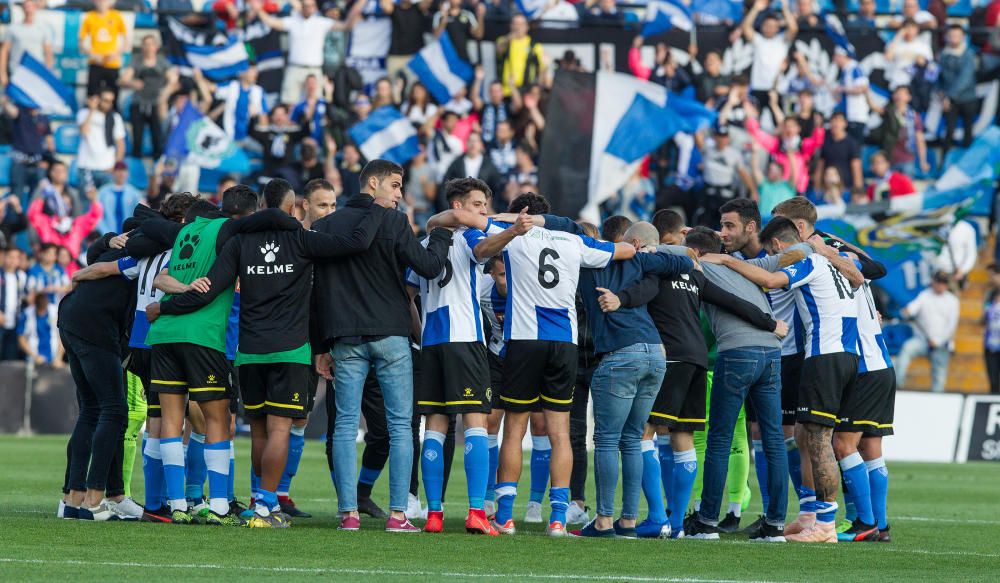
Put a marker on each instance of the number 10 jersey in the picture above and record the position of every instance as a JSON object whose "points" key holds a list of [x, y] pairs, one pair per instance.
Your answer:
{"points": [[543, 268]]}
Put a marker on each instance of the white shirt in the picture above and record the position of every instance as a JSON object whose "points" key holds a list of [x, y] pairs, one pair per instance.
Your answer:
{"points": [[472, 166], [143, 272], [873, 354], [768, 55], [419, 115], [960, 252], [95, 153], [493, 305], [449, 303], [441, 159], [230, 94], [936, 316], [28, 38], [543, 268], [852, 77], [825, 302], [13, 283], [904, 56], [306, 37]]}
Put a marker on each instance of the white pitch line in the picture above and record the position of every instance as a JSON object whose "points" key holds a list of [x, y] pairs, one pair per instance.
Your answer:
{"points": [[946, 520], [371, 572]]}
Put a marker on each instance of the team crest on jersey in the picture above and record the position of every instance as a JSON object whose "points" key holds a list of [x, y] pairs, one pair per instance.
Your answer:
{"points": [[269, 250], [211, 379], [691, 466], [295, 397]]}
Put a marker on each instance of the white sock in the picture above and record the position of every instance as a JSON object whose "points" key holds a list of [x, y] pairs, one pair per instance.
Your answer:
{"points": [[736, 508]]}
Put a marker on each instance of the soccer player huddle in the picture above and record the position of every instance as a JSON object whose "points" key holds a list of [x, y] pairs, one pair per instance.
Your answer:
{"points": [[510, 323]]}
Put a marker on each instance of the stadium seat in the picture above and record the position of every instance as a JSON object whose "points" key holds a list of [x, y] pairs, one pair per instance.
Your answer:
{"points": [[74, 174], [67, 138], [5, 148], [5, 162], [145, 20], [209, 180], [137, 175]]}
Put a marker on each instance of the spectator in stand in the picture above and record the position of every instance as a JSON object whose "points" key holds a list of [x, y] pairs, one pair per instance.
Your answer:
{"points": [[229, 11], [805, 113], [529, 121], [12, 285], [788, 148], [959, 253], [798, 81], [474, 163], [558, 14], [852, 89], [831, 193], [102, 140], [520, 59], [902, 134], [991, 328], [865, 17], [418, 107], [63, 231], [349, 171], [59, 197], [711, 86], [495, 109], [119, 199], [308, 166], [935, 319], [773, 187], [841, 152], [445, 146], [770, 46], [906, 53], [888, 183], [278, 137], [384, 94], [12, 220], [503, 150], [103, 39], [410, 20], [242, 102], [665, 70], [461, 25], [957, 84], [722, 168], [37, 333], [806, 16], [31, 146], [421, 189], [28, 36], [733, 115], [66, 261], [991, 49], [605, 11], [307, 30], [311, 112], [335, 45], [912, 11], [147, 77], [46, 276], [526, 172]]}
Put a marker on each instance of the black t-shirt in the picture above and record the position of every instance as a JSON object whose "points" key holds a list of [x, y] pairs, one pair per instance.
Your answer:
{"points": [[459, 29], [101, 310], [408, 27], [839, 155]]}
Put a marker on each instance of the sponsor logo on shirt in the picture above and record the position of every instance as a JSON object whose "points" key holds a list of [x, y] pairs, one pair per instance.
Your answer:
{"points": [[269, 251]]}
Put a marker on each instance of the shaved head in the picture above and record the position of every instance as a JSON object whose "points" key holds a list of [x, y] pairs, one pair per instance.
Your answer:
{"points": [[643, 232]]}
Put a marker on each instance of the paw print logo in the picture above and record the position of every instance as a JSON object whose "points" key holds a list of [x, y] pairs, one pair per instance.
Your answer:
{"points": [[188, 244], [269, 250]]}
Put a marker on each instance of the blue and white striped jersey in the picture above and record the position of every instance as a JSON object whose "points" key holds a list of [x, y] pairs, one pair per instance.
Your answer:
{"points": [[143, 271], [494, 306], [873, 354], [450, 302], [782, 302], [543, 268], [826, 303]]}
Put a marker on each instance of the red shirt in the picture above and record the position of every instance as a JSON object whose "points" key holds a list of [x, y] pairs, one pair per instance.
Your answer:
{"points": [[898, 185], [992, 16]]}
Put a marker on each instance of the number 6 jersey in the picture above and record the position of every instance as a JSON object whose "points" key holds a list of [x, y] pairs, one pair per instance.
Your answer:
{"points": [[543, 268]]}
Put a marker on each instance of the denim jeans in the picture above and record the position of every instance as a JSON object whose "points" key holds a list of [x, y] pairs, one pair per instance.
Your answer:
{"points": [[24, 179], [755, 371], [96, 443], [917, 346], [96, 178], [394, 369], [623, 389]]}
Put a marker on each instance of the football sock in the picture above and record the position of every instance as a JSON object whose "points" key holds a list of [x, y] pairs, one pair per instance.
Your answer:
{"points": [[477, 464], [232, 470], [506, 493], [666, 464], [296, 443], [217, 462], [850, 511], [794, 462], [878, 482], [685, 469], [541, 453], [194, 487], [132, 430], [367, 479], [432, 468], [807, 499], [152, 472], [760, 466], [825, 511], [172, 453], [651, 482], [254, 484], [491, 481], [265, 502], [559, 502], [856, 479]]}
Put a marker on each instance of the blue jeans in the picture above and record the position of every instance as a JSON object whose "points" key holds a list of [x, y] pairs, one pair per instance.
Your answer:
{"points": [[739, 372], [623, 389], [394, 369], [97, 178]]}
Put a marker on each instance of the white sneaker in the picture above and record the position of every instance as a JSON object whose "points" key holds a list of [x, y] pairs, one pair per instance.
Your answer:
{"points": [[534, 512], [61, 511], [100, 513], [412, 507], [576, 515], [127, 509]]}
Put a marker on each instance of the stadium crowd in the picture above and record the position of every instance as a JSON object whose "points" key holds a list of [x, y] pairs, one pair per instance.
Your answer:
{"points": [[239, 332]]}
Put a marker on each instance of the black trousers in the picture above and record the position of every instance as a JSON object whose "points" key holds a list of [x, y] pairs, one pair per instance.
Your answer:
{"points": [[100, 78], [95, 447], [9, 349], [143, 117], [578, 435], [967, 112], [993, 370]]}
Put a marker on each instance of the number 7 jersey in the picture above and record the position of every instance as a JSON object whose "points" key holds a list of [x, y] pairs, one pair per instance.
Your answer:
{"points": [[543, 268]]}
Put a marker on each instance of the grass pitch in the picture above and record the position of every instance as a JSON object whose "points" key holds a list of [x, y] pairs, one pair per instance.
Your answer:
{"points": [[945, 526]]}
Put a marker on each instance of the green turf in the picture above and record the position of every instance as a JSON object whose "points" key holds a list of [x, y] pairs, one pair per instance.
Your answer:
{"points": [[945, 519]]}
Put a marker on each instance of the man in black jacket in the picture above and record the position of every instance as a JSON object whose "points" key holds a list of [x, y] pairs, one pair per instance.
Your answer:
{"points": [[366, 319]]}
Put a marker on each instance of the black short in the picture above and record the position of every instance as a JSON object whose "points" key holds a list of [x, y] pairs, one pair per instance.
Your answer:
{"points": [[277, 388], [826, 381], [313, 386], [201, 373], [496, 379], [539, 374], [680, 404], [869, 407], [138, 363], [455, 378], [234, 397]]}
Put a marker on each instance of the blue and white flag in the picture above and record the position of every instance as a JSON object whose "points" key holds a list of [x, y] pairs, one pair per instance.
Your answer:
{"points": [[199, 141], [635, 117], [219, 63], [32, 85], [219, 57], [532, 9], [386, 135], [439, 68], [835, 30], [717, 11], [970, 177], [662, 15]]}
